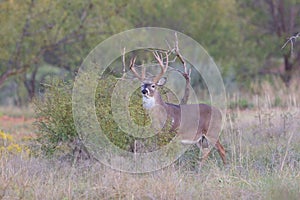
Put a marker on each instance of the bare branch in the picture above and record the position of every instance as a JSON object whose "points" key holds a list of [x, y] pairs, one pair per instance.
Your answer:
{"points": [[10, 73], [291, 40]]}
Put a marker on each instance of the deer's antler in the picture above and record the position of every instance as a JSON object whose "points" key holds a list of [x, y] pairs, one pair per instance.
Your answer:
{"points": [[160, 60], [132, 68]]}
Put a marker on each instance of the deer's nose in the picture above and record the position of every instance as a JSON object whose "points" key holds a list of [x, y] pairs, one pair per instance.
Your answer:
{"points": [[144, 91]]}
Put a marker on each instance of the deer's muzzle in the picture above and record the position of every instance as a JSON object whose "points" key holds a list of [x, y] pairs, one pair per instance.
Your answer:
{"points": [[144, 91]]}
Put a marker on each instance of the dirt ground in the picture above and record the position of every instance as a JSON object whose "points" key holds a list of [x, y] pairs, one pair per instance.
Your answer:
{"points": [[19, 127]]}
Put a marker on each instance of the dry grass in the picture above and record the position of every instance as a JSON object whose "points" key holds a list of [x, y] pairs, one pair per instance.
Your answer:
{"points": [[18, 112], [264, 163], [43, 179]]}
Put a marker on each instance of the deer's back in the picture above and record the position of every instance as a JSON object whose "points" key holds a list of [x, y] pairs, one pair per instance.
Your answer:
{"points": [[197, 119]]}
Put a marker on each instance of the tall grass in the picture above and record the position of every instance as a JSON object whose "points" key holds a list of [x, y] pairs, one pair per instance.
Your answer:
{"points": [[262, 146], [262, 165], [36, 178]]}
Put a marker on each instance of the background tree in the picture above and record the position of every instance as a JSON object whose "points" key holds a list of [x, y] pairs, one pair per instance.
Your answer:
{"points": [[267, 24], [53, 33], [214, 24], [45, 37]]}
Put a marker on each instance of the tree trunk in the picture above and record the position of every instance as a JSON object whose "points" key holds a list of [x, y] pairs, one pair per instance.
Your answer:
{"points": [[30, 84], [288, 68]]}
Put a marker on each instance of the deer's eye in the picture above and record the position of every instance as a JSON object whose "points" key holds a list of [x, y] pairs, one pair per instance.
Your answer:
{"points": [[153, 86]]}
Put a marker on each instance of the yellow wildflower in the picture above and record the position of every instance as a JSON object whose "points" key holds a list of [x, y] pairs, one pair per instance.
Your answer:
{"points": [[15, 148], [5, 136]]}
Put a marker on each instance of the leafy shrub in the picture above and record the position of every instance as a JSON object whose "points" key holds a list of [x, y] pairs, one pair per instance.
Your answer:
{"points": [[57, 132], [105, 117], [54, 117]]}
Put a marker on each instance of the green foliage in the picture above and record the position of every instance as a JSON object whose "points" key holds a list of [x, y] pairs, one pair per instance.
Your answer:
{"points": [[104, 113], [214, 24], [57, 132], [138, 115], [54, 116], [54, 33], [265, 25], [239, 35]]}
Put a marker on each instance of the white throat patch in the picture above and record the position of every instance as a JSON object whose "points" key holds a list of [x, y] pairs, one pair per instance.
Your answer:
{"points": [[148, 102]]}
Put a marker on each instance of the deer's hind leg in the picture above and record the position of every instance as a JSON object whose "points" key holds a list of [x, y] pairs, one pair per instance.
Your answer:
{"points": [[203, 146], [221, 151]]}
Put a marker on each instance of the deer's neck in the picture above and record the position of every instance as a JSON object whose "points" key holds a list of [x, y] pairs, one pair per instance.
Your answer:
{"points": [[150, 102]]}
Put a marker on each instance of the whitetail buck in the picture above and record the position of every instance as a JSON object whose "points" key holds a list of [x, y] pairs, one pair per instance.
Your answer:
{"points": [[208, 119]]}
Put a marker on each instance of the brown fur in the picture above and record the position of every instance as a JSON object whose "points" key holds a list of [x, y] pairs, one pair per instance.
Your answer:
{"points": [[195, 123]]}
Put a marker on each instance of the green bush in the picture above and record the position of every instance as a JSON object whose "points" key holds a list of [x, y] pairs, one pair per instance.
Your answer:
{"points": [[105, 117], [57, 132], [54, 119]]}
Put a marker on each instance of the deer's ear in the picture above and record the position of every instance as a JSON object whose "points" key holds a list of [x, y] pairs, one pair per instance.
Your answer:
{"points": [[162, 81]]}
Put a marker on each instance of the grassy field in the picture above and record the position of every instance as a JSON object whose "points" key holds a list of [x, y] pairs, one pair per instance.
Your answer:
{"points": [[262, 146]]}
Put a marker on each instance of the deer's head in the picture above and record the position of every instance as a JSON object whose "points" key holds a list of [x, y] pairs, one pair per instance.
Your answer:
{"points": [[149, 87]]}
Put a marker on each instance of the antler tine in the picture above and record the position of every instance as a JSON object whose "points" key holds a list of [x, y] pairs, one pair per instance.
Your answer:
{"points": [[131, 67], [143, 72], [163, 67]]}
